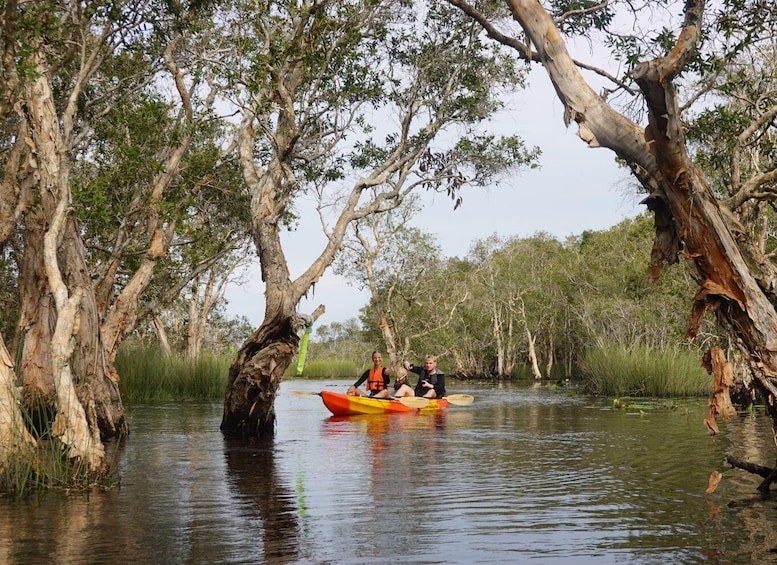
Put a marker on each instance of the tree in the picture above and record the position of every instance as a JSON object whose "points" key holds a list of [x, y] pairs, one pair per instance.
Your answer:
{"points": [[375, 258], [103, 171], [311, 80], [735, 279]]}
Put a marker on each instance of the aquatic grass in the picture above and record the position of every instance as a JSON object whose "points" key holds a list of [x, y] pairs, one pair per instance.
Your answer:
{"points": [[47, 466], [642, 371], [325, 369], [147, 373]]}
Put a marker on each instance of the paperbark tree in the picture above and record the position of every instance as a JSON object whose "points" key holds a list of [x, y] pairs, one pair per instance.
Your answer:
{"points": [[75, 85], [347, 94], [735, 280]]}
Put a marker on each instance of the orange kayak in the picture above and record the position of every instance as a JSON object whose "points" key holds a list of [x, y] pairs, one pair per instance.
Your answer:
{"points": [[341, 404]]}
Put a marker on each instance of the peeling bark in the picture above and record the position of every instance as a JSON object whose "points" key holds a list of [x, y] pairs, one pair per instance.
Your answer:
{"points": [[734, 281], [62, 361], [16, 443], [720, 403]]}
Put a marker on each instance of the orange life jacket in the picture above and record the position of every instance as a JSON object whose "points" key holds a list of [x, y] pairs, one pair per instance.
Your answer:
{"points": [[375, 382]]}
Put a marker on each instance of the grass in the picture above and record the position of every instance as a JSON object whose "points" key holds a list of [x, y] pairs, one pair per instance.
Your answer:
{"points": [[641, 371], [148, 374], [47, 466]]}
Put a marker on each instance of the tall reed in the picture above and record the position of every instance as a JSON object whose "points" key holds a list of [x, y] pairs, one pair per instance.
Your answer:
{"points": [[147, 374], [331, 369], [47, 465], [642, 371]]}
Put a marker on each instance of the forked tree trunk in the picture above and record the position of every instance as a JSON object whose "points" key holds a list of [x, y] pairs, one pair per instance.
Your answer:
{"points": [[62, 363]]}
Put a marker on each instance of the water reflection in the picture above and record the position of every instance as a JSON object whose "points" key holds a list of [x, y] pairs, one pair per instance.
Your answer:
{"points": [[254, 476], [522, 474]]}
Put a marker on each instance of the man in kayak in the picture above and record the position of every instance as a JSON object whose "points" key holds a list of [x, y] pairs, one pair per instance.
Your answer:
{"points": [[431, 380], [377, 379]]}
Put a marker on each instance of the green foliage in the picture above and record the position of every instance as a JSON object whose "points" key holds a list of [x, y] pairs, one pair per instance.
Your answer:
{"points": [[643, 371], [589, 293]]}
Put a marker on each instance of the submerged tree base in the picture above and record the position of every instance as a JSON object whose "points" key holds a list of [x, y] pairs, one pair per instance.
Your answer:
{"points": [[48, 467]]}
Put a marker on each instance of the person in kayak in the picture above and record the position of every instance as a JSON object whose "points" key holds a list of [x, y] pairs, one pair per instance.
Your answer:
{"points": [[377, 379], [431, 380], [402, 385]]}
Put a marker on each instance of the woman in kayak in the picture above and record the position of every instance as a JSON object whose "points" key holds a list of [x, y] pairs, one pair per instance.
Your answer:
{"points": [[431, 380], [377, 379], [402, 385]]}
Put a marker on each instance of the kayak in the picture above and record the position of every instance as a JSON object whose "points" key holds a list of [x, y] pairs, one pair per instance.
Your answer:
{"points": [[341, 404]]}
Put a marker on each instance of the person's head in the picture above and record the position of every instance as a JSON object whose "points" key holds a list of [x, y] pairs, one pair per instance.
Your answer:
{"points": [[401, 377], [430, 363], [377, 358]]}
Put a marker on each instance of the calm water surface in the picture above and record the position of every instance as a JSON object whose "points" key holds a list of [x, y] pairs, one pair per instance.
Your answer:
{"points": [[522, 475]]}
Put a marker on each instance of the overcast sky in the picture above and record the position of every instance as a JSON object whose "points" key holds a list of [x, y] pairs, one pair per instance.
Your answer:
{"points": [[575, 189]]}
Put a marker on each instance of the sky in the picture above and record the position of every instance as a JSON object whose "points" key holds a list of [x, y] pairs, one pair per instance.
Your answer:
{"points": [[575, 189]]}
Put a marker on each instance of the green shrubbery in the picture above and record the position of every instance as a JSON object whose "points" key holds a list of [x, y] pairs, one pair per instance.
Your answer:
{"points": [[148, 374]]}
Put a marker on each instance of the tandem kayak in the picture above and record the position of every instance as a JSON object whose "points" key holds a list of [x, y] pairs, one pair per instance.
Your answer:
{"points": [[341, 404]]}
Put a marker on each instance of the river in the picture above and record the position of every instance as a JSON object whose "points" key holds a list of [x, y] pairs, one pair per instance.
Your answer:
{"points": [[522, 475]]}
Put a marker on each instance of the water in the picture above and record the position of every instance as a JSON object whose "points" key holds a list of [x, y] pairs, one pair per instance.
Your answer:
{"points": [[522, 475]]}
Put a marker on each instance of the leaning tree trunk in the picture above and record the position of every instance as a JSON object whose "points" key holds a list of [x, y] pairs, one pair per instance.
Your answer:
{"points": [[256, 374], [735, 280], [257, 371]]}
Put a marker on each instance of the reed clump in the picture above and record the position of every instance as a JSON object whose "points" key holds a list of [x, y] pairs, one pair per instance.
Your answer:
{"points": [[642, 371], [148, 373], [46, 465], [325, 369]]}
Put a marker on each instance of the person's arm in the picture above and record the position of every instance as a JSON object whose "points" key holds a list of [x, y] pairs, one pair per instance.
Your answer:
{"points": [[386, 377], [413, 369], [362, 379]]}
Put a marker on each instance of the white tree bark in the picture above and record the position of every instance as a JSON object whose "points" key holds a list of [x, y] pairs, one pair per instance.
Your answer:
{"points": [[14, 438]]}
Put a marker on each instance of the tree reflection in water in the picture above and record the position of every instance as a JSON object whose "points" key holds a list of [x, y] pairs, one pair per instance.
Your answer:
{"points": [[253, 473]]}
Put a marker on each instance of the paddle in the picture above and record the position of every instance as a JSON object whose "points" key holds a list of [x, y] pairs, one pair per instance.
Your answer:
{"points": [[304, 393], [414, 401], [420, 401], [460, 399]]}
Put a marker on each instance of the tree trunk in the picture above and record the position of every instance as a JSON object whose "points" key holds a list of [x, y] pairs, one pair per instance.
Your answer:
{"points": [[63, 363], [255, 376], [16, 444], [734, 279], [161, 333], [535, 367]]}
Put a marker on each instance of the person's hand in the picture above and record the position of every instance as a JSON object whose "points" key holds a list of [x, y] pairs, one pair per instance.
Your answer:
{"points": [[407, 366]]}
